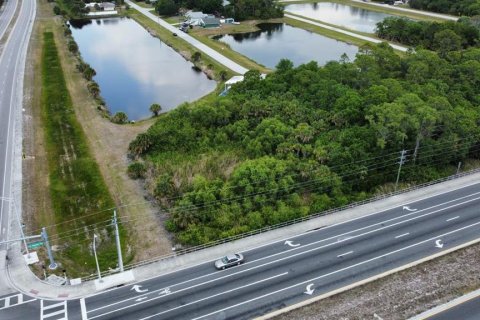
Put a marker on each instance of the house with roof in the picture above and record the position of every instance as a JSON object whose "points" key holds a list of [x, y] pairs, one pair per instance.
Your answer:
{"points": [[210, 22], [194, 18], [107, 6]]}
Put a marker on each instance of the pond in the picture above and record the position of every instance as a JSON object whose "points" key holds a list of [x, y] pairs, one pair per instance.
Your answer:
{"points": [[350, 17], [134, 69], [276, 41]]}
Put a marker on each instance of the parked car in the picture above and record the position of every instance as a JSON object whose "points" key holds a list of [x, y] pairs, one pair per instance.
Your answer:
{"points": [[229, 260]]}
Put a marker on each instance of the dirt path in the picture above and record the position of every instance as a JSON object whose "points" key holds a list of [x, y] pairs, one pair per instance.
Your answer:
{"points": [[108, 142]]}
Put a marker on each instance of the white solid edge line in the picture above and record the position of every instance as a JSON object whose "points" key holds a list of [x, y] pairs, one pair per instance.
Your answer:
{"points": [[12, 97], [273, 261], [312, 231], [340, 270]]}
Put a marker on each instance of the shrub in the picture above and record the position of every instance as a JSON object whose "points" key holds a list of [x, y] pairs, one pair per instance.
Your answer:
{"points": [[137, 170]]}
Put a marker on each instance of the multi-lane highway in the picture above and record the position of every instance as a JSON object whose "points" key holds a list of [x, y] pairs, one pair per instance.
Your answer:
{"points": [[12, 62], [286, 272], [6, 16], [275, 275]]}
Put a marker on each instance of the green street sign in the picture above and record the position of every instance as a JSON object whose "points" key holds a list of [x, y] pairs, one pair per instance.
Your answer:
{"points": [[35, 245]]}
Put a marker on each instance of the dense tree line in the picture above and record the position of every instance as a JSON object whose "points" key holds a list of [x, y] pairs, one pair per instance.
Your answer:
{"points": [[310, 138], [171, 7], [444, 37], [72, 8], [456, 7], [254, 9], [239, 9]]}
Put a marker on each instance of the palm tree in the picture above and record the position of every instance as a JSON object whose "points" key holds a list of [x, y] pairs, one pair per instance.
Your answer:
{"points": [[155, 109], [120, 118]]}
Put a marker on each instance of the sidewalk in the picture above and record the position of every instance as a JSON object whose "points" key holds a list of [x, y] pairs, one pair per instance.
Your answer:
{"points": [[230, 64], [26, 282], [348, 33]]}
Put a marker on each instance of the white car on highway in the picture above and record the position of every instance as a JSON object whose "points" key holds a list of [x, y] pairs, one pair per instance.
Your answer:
{"points": [[229, 260]]}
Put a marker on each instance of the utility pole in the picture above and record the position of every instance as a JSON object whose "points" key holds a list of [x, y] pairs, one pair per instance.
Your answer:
{"points": [[12, 204], [117, 238], [400, 163], [52, 265]]}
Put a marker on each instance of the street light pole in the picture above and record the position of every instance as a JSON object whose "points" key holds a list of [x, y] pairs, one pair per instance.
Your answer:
{"points": [[11, 203], [96, 258]]}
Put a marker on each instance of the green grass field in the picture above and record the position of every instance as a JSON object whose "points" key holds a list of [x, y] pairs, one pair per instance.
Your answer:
{"points": [[77, 188]]}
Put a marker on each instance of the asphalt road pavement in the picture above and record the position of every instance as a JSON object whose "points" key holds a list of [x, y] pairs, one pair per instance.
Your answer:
{"points": [[469, 310], [12, 62], [286, 272], [6, 15], [289, 271]]}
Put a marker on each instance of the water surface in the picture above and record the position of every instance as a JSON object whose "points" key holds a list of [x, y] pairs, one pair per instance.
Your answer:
{"points": [[350, 17], [275, 41], [135, 69]]}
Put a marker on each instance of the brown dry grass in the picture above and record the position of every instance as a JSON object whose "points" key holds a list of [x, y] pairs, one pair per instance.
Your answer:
{"points": [[108, 143]]}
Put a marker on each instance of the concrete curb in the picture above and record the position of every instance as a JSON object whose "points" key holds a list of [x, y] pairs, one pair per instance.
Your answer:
{"points": [[25, 281], [368, 280], [446, 306]]}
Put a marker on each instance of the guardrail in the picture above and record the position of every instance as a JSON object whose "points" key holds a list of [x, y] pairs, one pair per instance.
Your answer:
{"points": [[284, 224]]}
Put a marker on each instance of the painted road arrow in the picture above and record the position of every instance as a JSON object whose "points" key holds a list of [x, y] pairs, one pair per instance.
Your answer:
{"points": [[439, 244], [290, 243], [408, 209], [137, 288], [309, 289]]}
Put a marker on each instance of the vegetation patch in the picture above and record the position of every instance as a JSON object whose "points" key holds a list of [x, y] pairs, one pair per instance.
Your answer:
{"points": [[456, 7], [77, 188], [307, 139], [443, 37]]}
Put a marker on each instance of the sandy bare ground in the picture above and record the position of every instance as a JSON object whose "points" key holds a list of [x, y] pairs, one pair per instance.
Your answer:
{"points": [[108, 143]]}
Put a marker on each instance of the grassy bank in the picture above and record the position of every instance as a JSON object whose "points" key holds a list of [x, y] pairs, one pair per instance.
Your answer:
{"points": [[207, 64], [76, 186], [325, 32], [204, 36]]}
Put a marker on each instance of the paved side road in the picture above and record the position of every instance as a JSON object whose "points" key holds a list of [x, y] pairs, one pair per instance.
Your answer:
{"points": [[230, 64], [348, 33], [12, 66], [6, 15], [425, 13]]}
